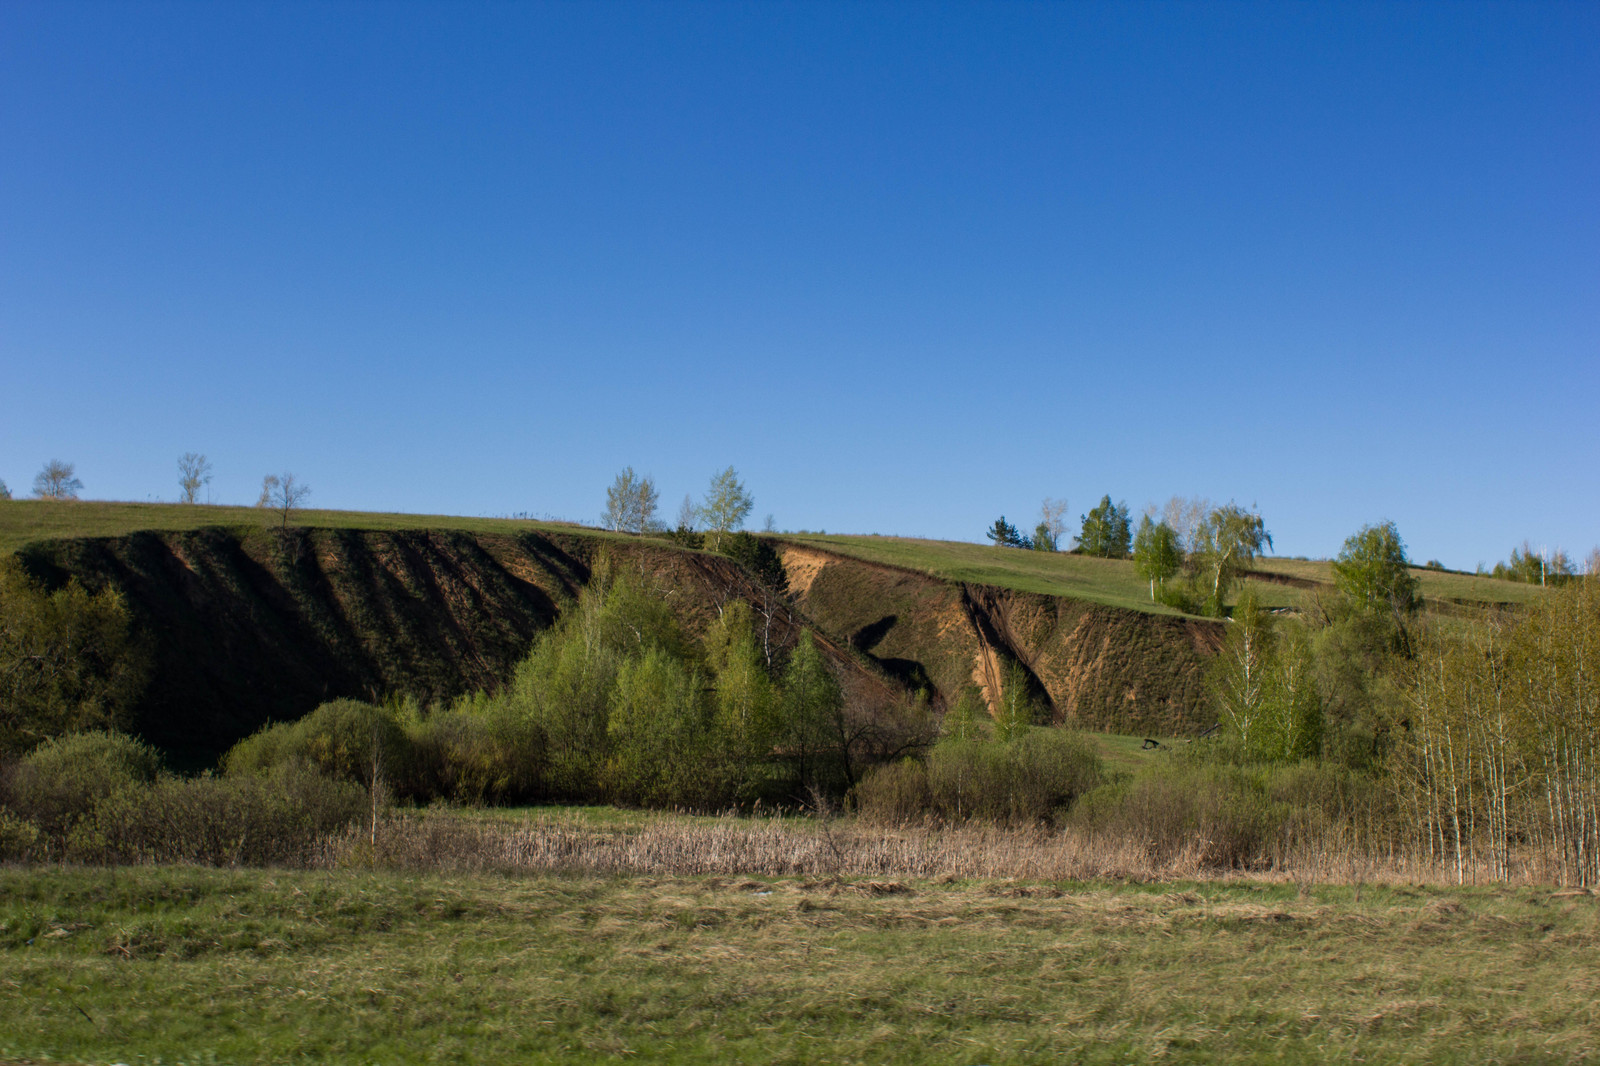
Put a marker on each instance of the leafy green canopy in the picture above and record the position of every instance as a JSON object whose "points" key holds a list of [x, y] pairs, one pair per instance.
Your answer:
{"points": [[1106, 530], [1374, 578], [1227, 540], [1157, 553], [1263, 687], [725, 507], [1006, 535]]}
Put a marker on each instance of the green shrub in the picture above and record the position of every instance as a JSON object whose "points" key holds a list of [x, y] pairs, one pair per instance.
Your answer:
{"points": [[478, 751], [59, 783], [895, 794], [100, 798], [254, 820], [346, 739], [70, 659], [1033, 777], [1221, 815], [18, 837]]}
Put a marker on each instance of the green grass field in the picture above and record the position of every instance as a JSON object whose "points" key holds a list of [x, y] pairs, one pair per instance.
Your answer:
{"points": [[189, 965], [1113, 581], [23, 521], [1107, 581]]}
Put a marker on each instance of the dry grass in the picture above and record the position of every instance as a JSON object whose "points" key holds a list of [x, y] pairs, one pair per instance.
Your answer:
{"points": [[567, 842]]}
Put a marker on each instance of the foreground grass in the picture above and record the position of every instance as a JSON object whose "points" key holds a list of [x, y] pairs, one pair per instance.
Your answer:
{"points": [[190, 965]]}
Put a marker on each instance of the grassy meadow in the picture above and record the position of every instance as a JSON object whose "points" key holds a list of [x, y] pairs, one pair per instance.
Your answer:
{"points": [[186, 965], [24, 521], [1113, 581]]}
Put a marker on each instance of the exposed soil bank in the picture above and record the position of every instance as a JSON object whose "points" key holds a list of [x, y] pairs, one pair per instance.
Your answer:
{"points": [[1102, 668]]}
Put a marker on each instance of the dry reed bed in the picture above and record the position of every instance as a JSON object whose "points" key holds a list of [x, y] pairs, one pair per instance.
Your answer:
{"points": [[780, 847]]}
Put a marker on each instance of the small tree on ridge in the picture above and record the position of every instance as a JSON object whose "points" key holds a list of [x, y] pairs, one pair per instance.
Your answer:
{"points": [[194, 472], [56, 482], [726, 506], [283, 495]]}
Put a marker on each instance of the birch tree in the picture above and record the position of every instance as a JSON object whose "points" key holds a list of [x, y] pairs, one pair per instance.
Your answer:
{"points": [[1227, 541], [631, 503], [725, 506]]}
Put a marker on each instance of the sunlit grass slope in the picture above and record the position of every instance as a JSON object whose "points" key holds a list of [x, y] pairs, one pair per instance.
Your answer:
{"points": [[1113, 581], [23, 521]]}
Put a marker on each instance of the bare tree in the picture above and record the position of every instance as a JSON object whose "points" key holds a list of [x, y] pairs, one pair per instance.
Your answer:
{"points": [[1053, 520], [1183, 515], [5, 493], [194, 472], [56, 482], [282, 494], [686, 514]]}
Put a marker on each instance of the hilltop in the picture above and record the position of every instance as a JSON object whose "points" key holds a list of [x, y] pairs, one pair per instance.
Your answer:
{"points": [[1279, 582]]}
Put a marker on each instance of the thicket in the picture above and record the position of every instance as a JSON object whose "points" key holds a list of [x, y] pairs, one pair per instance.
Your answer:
{"points": [[758, 555], [615, 703], [102, 797]]}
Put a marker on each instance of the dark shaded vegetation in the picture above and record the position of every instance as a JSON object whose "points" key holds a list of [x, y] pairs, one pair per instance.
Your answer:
{"points": [[256, 626], [617, 702]]}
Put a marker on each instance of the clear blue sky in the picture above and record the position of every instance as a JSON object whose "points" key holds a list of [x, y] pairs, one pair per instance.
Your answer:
{"points": [[906, 266]]}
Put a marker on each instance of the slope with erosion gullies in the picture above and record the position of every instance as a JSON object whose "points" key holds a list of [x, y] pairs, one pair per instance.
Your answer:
{"points": [[1096, 666], [250, 626]]}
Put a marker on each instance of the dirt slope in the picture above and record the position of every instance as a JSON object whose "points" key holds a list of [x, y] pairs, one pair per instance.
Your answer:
{"points": [[248, 627], [1099, 667]]}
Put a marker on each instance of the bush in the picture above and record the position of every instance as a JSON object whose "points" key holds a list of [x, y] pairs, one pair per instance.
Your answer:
{"points": [[478, 752], [346, 739], [61, 781], [100, 798], [1029, 779], [1221, 815], [70, 659], [895, 794], [218, 821]]}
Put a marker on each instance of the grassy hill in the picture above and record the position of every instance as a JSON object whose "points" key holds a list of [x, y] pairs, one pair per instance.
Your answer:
{"points": [[25, 521], [250, 624], [1112, 582]]}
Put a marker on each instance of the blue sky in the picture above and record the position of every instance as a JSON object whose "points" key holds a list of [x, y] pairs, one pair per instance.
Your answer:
{"points": [[906, 266]]}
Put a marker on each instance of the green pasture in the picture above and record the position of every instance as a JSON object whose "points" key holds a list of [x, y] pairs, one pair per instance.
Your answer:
{"points": [[24, 521], [1113, 581], [189, 965]]}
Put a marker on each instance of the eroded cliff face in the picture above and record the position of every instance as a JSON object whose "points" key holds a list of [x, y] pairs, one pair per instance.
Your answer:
{"points": [[248, 626], [1100, 668]]}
